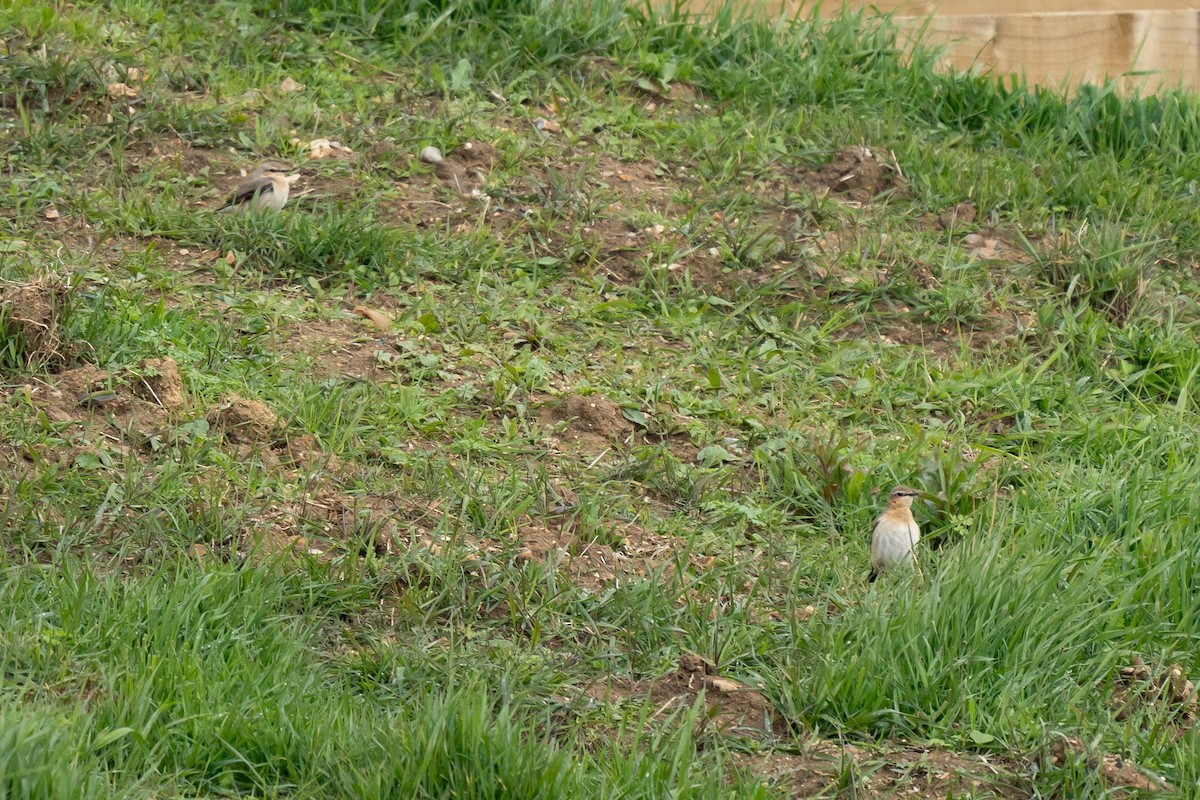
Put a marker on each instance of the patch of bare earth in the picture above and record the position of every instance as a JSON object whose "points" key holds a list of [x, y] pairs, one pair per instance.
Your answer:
{"points": [[448, 195], [346, 347], [615, 249], [644, 181], [829, 769], [592, 564], [858, 174], [255, 431], [588, 424], [733, 708], [98, 403], [326, 523]]}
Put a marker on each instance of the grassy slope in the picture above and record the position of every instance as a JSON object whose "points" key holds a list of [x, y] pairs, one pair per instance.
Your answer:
{"points": [[804, 354]]}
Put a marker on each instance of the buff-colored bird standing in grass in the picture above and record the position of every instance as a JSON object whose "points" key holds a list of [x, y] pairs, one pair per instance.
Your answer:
{"points": [[266, 187], [896, 532]]}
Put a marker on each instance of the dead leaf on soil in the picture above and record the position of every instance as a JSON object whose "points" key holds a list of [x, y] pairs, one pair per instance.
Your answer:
{"points": [[328, 148], [118, 90], [981, 247], [377, 318], [288, 85]]}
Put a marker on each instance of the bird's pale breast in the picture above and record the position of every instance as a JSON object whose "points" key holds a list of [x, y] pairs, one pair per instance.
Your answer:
{"points": [[896, 533]]}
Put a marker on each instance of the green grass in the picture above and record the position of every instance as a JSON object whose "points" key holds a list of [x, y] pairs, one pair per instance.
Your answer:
{"points": [[186, 614]]}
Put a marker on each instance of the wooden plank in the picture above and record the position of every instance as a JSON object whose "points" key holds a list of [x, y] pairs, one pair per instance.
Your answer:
{"points": [[1053, 48], [921, 8]]}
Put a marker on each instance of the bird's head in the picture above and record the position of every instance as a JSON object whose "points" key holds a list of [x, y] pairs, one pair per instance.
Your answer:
{"points": [[902, 496], [271, 168]]}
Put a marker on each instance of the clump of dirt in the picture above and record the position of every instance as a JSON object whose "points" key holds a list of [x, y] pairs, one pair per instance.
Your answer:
{"points": [[161, 383], [245, 421], [859, 174], [1119, 773], [105, 420], [593, 423], [1138, 687], [466, 167], [593, 564], [733, 708], [30, 316], [954, 218]]}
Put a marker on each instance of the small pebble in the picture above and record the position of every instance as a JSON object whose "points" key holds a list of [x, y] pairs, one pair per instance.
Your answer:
{"points": [[431, 155]]}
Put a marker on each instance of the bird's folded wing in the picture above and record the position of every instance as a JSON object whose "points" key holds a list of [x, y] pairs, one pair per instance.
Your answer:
{"points": [[251, 189]]}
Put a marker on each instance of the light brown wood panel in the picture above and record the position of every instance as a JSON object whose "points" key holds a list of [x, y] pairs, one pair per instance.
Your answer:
{"points": [[1048, 48], [921, 8], [1073, 48]]}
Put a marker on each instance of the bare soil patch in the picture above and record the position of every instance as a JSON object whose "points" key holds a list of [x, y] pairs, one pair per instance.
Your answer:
{"points": [[732, 707], [631, 179], [858, 174], [617, 248], [592, 564], [465, 168], [245, 421], [326, 523], [86, 395], [953, 219], [347, 348], [591, 424], [909, 772]]}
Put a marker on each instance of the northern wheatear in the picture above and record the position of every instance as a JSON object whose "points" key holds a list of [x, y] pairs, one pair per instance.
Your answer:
{"points": [[896, 532], [266, 187]]}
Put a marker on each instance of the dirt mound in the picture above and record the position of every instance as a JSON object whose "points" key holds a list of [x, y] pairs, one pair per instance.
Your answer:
{"points": [[732, 707], [960, 216], [593, 423], [30, 315], [1119, 773], [245, 421], [1138, 687], [858, 174], [466, 167], [161, 383]]}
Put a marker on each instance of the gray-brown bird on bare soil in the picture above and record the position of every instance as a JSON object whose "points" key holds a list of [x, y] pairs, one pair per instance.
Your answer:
{"points": [[896, 532], [266, 187]]}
